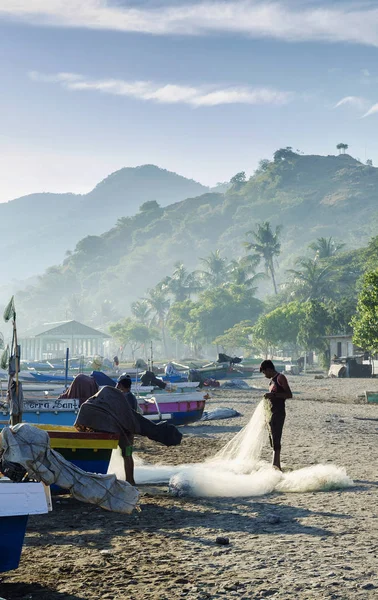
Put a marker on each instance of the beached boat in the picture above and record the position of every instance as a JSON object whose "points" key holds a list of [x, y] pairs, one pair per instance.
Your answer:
{"points": [[178, 409], [90, 451], [184, 404], [17, 502]]}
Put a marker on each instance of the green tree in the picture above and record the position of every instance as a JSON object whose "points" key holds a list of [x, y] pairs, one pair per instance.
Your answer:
{"points": [[365, 322], [280, 326], [265, 245], [242, 271], [158, 303], [342, 147], [238, 180], [340, 314], [149, 206], [140, 309], [314, 279], [180, 322], [220, 308], [325, 248], [181, 284], [313, 327], [134, 334], [215, 271], [284, 154], [238, 336]]}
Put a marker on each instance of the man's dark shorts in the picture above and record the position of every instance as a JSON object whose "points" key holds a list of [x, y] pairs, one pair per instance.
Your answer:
{"points": [[276, 424]]}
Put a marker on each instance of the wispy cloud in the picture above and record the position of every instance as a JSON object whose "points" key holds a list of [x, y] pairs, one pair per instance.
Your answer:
{"points": [[372, 111], [355, 101], [290, 20], [168, 93]]}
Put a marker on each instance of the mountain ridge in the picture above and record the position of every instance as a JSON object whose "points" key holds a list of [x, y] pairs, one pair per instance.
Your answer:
{"points": [[59, 221], [121, 263]]}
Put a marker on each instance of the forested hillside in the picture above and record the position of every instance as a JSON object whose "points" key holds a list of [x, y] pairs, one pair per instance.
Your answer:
{"points": [[308, 196], [37, 230]]}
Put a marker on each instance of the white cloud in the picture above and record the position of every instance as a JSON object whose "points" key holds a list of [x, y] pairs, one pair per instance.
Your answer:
{"points": [[355, 101], [290, 20], [365, 72], [372, 111], [168, 93]]}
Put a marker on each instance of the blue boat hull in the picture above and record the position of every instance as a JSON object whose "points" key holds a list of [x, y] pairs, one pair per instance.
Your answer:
{"points": [[12, 533]]}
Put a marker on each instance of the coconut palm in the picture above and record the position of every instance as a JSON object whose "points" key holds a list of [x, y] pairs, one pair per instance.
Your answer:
{"points": [[325, 248], [181, 284], [314, 279], [141, 310], [216, 268], [265, 246], [158, 304], [242, 272]]}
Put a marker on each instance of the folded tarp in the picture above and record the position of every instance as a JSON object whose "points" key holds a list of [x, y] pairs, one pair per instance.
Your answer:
{"points": [[109, 411]]}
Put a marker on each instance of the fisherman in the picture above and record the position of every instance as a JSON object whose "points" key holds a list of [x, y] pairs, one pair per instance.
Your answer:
{"points": [[279, 391], [124, 385]]}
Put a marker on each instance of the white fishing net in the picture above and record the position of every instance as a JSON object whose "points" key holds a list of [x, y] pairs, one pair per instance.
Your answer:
{"points": [[238, 471]]}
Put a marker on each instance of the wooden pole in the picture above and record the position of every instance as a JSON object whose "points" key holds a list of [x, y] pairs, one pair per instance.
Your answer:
{"points": [[15, 350]]}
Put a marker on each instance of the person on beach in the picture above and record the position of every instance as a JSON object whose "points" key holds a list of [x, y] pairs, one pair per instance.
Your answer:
{"points": [[279, 391], [124, 385]]}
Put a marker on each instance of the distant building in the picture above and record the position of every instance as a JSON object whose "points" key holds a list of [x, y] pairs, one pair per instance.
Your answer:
{"points": [[342, 345], [51, 341]]}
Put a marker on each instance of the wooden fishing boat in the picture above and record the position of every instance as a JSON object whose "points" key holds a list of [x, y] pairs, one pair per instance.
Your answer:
{"points": [[178, 409], [182, 405], [90, 451]]}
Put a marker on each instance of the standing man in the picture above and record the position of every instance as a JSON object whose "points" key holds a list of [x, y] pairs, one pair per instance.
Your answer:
{"points": [[279, 391]]}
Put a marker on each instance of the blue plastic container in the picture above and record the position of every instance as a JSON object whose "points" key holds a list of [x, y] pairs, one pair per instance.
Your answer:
{"points": [[12, 533]]}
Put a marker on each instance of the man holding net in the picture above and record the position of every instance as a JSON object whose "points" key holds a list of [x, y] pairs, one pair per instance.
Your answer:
{"points": [[279, 391]]}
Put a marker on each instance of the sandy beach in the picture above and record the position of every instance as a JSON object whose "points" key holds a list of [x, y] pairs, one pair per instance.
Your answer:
{"points": [[284, 545]]}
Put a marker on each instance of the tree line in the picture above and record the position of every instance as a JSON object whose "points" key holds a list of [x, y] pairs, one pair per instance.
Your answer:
{"points": [[325, 293]]}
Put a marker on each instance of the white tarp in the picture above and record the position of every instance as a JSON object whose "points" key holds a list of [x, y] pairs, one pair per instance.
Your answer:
{"points": [[30, 447]]}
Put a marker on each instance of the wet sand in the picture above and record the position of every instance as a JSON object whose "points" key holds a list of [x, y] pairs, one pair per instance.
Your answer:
{"points": [[320, 545]]}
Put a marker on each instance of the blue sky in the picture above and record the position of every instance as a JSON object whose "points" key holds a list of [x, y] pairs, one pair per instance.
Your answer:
{"points": [[202, 88]]}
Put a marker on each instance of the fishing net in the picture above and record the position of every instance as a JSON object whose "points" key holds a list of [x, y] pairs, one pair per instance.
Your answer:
{"points": [[238, 470]]}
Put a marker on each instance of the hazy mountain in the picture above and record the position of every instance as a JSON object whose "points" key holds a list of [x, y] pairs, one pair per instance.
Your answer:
{"points": [[37, 230], [311, 196]]}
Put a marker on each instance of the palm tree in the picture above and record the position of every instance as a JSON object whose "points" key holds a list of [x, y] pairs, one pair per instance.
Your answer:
{"points": [[313, 280], [242, 272], [342, 147], [181, 284], [325, 248], [216, 268], [265, 246], [141, 310], [158, 304]]}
